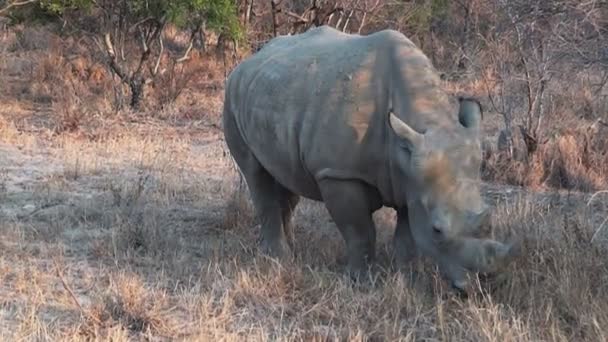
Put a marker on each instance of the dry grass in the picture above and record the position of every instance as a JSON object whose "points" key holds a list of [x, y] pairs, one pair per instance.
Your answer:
{"points": [[126, 227], [144, 244], [575, 159]]}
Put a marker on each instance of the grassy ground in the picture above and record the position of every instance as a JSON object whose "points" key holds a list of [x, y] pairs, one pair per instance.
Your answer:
{"points": [[135, 227], [146, 235]]}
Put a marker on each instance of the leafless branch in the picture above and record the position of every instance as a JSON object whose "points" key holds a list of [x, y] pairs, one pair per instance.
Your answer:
{"points": [[112, 56], [137, 24], [186, 54], [160, 54], [274, 10], [143, 39], [295, 16], [350, 15], [16, 4], [69, 290]]}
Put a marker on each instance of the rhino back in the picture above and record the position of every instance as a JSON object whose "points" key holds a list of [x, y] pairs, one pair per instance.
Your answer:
{"points": [[316, 103]]}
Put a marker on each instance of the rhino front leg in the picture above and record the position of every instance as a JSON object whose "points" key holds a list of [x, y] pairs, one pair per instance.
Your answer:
{"points": [[403, 241], [349, 204]]}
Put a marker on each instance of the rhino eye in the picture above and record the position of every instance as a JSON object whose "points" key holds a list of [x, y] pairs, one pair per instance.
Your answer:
{"points": [[426, 201]]}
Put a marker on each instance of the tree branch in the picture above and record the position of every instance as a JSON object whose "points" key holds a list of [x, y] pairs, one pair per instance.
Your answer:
{"points": [[274, 11], [112, 55], [186, 54], [296, 16], [16, 4], [160, 54]]}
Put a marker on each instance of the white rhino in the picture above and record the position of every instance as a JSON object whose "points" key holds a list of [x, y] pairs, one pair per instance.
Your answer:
{"points": [[360, 122]]}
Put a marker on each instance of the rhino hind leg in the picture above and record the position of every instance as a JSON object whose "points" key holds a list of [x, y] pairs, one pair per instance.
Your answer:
{"points": [[268, 196], [269, 200], [349, 205], [289, 204]]}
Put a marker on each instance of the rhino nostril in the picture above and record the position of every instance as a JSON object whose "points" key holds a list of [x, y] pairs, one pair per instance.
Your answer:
{"points": [[437, 230]]}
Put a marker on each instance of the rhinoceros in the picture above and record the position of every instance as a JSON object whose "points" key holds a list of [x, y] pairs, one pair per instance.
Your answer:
{"points": [[359, 122]]}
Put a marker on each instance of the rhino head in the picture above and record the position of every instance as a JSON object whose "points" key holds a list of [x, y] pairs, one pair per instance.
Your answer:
{"points": [[439, 173]]}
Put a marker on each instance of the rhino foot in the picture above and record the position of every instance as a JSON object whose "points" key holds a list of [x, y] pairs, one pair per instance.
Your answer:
{"points": [[460, 290], [276, 248], [403, 253], [358, 265], [358, 273], [404, 247]]}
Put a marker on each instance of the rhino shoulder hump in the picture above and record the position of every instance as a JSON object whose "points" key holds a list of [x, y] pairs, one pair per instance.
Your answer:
{"points": [[394, 37]]}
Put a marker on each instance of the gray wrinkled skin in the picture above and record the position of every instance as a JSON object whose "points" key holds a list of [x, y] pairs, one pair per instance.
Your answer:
{"points": [[359, 122]]}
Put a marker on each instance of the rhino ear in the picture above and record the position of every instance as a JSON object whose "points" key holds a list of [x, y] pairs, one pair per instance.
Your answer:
{"points": [[412, 138], [470, 113]]}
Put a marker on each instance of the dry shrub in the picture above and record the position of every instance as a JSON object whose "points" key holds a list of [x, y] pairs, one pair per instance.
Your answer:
{"points": [[172, 81], [500, 167], [477, 87], [583, 95], [65, 85], [128, 304], [58, 75], [559, 279], [8, 132], [136, 228], [71, 89], [575, 160], [144, 235], [190, 90], [31, 38], [567, 164]]}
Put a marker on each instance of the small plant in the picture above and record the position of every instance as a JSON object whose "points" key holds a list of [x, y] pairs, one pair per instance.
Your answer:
{"points": [[128, 303], [128, 196], [3, 182]]}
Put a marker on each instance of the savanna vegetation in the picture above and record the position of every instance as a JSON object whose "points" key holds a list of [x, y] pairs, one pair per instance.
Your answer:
{"points": [[123, 217]]}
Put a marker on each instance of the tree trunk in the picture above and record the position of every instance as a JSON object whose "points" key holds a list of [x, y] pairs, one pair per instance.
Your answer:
{"points": [[273, 8], [463, 64], [137, 92]]}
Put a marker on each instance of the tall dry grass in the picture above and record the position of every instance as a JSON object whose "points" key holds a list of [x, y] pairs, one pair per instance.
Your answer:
{"points": [[574, 159]]}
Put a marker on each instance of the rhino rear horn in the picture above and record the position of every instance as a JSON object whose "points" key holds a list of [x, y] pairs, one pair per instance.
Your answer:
{"points": [[470, 113], [412, 138]]}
